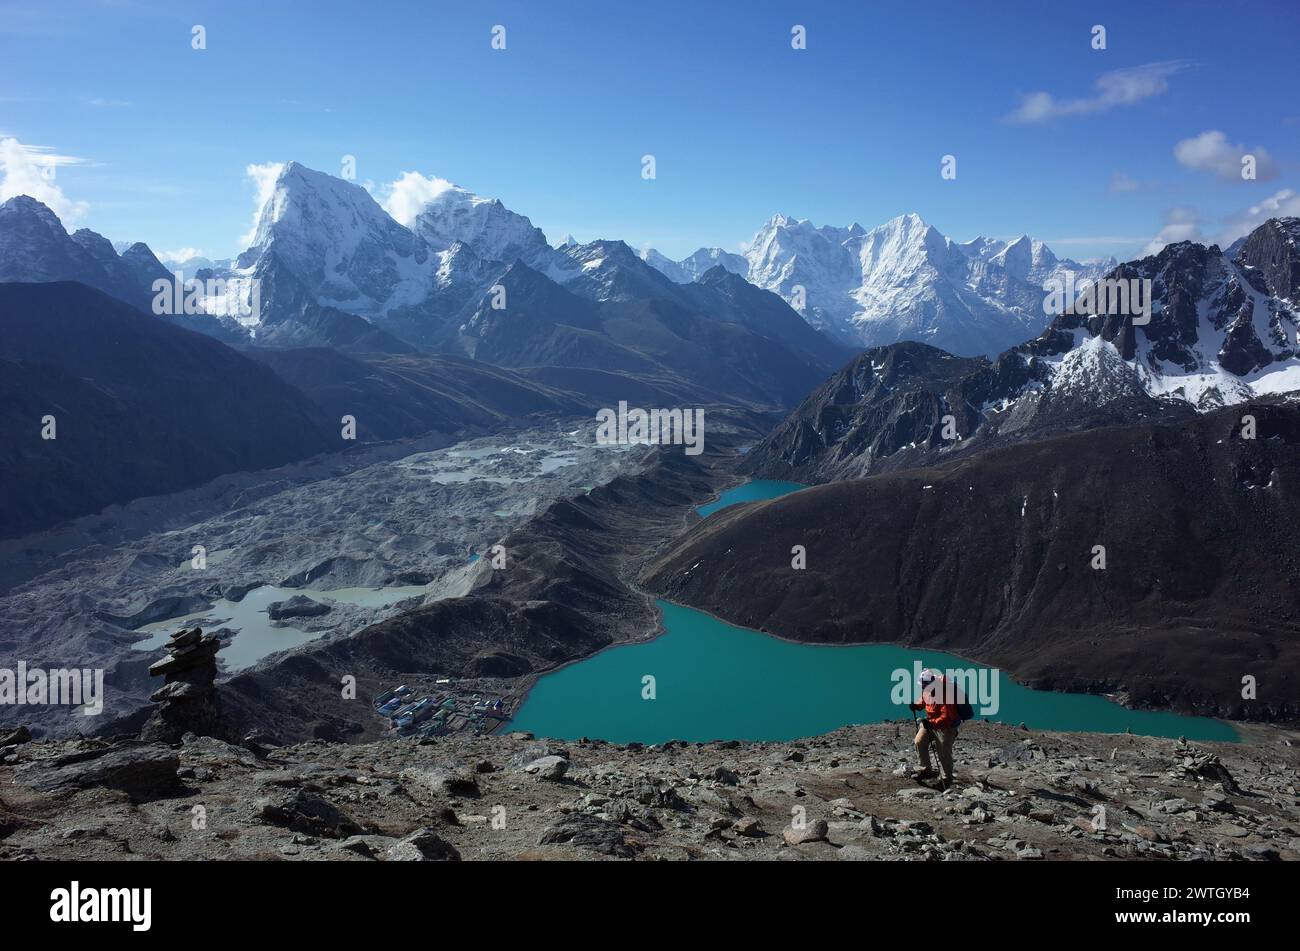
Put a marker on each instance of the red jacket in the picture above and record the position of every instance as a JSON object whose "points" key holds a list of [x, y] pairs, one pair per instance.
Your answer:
{"points": [[942, 716]]}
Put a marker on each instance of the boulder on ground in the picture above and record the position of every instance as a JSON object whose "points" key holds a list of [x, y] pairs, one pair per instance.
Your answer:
{"points": [[587, 832], [423, 845], [811, 832], [141, 771], [306, 812], [548, 767]]}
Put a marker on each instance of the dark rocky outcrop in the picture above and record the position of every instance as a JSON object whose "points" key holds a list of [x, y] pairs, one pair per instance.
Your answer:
{"points": [[1272, 253], [142, 771], [15, 736]]}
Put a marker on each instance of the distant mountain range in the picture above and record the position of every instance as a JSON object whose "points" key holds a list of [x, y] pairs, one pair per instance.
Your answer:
{"points": [[900, 281], [358, 308], [467, 277], [325, 249], [1223, 330]]}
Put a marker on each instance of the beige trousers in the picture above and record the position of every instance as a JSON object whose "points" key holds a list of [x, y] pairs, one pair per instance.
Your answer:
{"points": [[943, 741]]}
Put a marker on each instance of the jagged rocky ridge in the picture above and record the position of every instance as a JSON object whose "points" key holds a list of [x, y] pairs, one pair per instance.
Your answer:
{"points": [[34, 247], [1221, 331]]}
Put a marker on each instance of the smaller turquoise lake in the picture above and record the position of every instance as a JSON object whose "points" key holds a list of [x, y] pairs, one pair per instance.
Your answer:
{"points": [[750, 492], [714, 680]]}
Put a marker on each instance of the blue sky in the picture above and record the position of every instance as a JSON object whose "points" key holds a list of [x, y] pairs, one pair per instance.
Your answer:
{"points": [[150, 139]]}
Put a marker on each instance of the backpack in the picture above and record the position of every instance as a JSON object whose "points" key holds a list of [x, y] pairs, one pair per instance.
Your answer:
{"points": [[964, 710]]}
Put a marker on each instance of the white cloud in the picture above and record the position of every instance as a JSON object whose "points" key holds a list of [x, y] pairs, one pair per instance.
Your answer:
{"points": [[263, 178], [412, 192], [1120, 183], [1181, 224], [180, 255], [1120, 87], [1280, 205], [32, 170], [1212, 152]]}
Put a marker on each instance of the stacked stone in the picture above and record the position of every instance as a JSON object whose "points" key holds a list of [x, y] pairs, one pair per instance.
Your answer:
{"points": [[188, 696]]}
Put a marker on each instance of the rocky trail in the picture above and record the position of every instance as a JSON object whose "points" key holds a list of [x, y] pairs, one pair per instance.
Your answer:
{"points": [[1020, 795]]}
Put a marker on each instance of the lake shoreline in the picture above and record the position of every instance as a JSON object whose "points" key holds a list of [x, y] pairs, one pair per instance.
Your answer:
{"points": [[523, 696]]}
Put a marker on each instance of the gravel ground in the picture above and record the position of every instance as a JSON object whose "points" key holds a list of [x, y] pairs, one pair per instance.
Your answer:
{"points": [[1019, 796]]}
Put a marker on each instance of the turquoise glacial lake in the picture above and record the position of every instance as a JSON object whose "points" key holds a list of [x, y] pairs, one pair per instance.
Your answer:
{"points": [[753, 491], [713, 680]]}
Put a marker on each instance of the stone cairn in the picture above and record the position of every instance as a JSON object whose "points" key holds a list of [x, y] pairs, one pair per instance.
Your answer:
{"points": [[188, 696]]}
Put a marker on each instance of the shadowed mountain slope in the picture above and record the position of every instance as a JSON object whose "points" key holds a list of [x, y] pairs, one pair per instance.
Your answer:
{"points": [[990, 556]]}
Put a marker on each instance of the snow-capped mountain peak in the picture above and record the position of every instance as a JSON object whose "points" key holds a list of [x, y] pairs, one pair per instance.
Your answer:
{"points": [[338, 241], [902, 280], [443, 213]]}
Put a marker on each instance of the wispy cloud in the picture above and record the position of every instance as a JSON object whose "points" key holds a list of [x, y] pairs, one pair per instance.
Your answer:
{"points": [[1212, 152], [32, 170], [1121, 183], [1181, 224], [1120, 87], [1278, 205], [180, 255], [407, 196], [102, 103], [263, 177]]}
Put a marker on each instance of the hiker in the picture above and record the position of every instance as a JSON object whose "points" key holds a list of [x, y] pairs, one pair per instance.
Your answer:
{"points": [[938, 727]]}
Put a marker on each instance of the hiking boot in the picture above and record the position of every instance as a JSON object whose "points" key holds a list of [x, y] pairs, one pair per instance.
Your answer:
{"points": [[921, 774]]}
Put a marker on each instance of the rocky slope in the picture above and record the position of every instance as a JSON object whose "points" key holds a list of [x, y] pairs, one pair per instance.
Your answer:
{"points": [[721, 337], [567, 591], [141, 407], [1020, 796], [407, 513], [992, 556], [394, 396]]}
